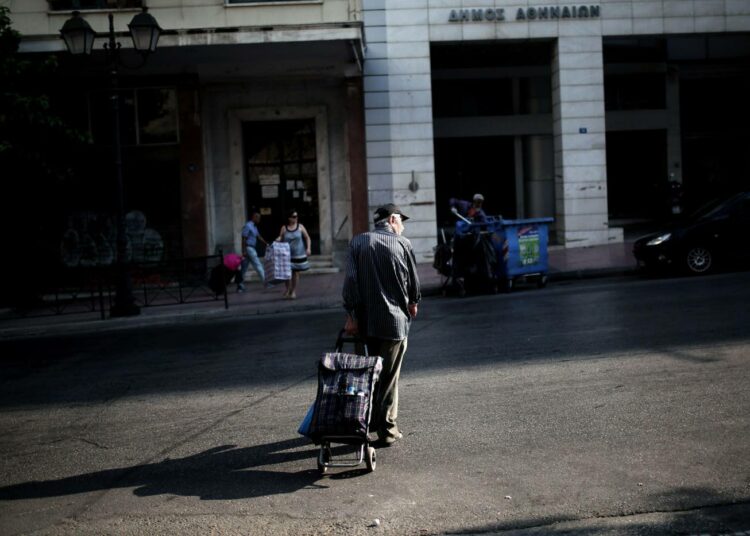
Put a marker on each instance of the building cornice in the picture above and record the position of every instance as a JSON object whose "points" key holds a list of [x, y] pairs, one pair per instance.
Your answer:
{"points": [[350, 31]]}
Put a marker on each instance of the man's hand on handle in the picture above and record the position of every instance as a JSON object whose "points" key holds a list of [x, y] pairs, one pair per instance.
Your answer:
{"points": [[351, 327], [413, 307]]}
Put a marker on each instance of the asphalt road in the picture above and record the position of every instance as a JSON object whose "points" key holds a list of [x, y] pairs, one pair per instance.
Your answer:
{"points": [[599, 407]]}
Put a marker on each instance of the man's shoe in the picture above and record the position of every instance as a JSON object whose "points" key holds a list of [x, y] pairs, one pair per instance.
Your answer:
{"points": [[387, 441]]}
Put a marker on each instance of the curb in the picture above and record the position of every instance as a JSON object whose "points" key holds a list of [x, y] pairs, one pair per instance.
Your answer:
{"points": [[93, 326]]}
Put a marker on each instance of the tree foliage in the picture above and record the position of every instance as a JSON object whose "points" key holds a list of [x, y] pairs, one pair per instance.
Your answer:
{"points": [[33, 136]]}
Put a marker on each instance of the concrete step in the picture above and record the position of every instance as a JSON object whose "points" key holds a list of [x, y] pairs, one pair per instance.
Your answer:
{"points": [[322, 262]]}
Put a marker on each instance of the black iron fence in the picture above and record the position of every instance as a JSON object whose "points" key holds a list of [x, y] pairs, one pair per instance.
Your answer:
{"points": [[83, 290]]}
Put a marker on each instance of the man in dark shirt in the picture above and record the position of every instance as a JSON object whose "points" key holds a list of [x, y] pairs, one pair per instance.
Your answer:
{"points": [[381, 296], [472, 210]]}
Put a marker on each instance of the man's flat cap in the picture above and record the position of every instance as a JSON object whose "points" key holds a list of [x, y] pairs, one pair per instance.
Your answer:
{"points": [[385, 211]]}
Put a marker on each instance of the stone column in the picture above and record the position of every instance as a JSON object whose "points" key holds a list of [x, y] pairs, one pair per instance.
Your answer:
{"points": [[398, 116], [579, 138], [355, 140], [539, 181], [192, 179]]}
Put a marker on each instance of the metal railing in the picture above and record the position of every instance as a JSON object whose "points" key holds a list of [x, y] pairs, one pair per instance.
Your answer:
{"points": [[64, 291], [180, 281], [91, 289]]}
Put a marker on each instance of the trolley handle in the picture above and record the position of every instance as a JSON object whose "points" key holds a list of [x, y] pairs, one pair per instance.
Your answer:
{"points": [[354, 339]]}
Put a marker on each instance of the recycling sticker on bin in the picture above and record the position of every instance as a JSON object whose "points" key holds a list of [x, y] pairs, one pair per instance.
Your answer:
{"points": [[528, 245]]}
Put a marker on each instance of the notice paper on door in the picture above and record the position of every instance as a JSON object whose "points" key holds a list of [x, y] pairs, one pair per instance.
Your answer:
{"points": [[269, 192]]}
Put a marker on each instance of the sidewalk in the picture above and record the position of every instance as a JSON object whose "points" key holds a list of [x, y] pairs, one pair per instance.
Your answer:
{"points": [[315, 292]]}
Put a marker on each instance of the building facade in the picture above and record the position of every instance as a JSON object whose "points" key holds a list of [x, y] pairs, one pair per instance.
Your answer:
{"points": [[601, 114], [244, 104]]}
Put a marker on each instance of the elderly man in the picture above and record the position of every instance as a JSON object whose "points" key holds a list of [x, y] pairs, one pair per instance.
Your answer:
{"points": [[381, 296]]}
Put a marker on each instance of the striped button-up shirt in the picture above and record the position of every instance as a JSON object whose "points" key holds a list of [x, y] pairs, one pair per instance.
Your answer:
{"points": [[381, 281]]}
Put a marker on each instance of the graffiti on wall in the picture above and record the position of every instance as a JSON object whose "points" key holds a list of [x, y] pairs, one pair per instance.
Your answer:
{"points": [[144, 244], [90, 239]]}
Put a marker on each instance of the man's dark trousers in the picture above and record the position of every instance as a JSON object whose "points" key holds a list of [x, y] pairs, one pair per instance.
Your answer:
{"points": [[385, 404]]}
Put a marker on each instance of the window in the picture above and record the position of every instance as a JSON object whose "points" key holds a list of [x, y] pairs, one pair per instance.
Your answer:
{"points": [[638, 91], [148, 116], [67, 5], [472, 97], [157, 116]]}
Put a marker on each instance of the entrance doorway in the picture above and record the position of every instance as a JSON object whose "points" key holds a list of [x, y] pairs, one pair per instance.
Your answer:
{"points": [[492, 126], [281, 174]]}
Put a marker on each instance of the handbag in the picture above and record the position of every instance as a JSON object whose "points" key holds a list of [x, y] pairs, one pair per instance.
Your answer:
{"points": [[232, 261]]}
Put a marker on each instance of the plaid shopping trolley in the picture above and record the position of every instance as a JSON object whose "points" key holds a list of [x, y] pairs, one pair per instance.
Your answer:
{"points": [[343, 406]]}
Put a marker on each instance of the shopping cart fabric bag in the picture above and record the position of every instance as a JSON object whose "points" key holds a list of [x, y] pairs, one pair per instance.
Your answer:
{"points": [[277, 263], [346, 384]]}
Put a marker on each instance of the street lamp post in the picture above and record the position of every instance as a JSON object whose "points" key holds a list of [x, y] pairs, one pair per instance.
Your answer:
{"points": [[79, 39]]}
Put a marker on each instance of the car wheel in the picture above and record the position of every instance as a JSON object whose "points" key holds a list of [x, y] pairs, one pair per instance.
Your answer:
{"points": [[699, 260]]}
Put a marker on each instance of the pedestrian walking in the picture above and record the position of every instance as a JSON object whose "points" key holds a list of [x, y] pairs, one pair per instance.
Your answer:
{"points": [[299, 246], [381, 297], [250, 238]]}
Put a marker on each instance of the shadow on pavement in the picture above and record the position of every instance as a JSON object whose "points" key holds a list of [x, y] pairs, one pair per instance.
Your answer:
{"points": [[681, 511], [554, 324], [220, 473]]}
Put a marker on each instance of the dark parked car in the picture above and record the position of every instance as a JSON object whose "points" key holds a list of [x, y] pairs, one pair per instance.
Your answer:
{"points": [[716, 235]]}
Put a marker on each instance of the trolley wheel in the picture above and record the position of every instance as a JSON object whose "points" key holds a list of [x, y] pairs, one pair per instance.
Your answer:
{"points": [[325, 455], [370, 460], [542, 281]]}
